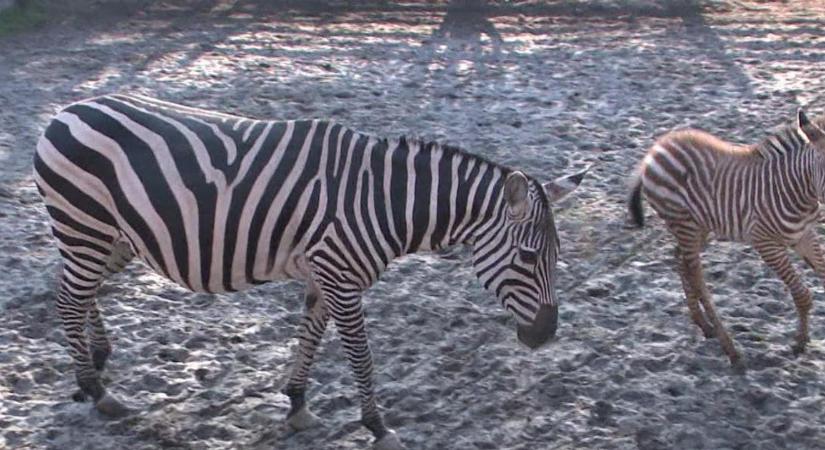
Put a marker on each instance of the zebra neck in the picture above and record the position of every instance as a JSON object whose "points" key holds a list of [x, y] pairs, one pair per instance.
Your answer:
{"points": [[449, 196], [800, 173], [810, 168], [815, 174]]}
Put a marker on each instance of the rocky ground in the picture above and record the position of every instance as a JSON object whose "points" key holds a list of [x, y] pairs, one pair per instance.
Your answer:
{"points": [[549, 87]]}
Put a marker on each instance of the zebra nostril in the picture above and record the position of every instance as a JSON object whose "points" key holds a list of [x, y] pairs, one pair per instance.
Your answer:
{"points": [[542, 329]]}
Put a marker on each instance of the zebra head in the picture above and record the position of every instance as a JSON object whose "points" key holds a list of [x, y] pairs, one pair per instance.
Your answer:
{"points": [[517, 258], [814, 134]]}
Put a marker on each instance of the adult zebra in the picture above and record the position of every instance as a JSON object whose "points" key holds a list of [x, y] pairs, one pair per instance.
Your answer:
{"points": [[217, 203], [766, 195]]}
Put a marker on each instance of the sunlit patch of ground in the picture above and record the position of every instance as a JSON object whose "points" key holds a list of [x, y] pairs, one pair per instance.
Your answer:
{"points": [[548, 92]]}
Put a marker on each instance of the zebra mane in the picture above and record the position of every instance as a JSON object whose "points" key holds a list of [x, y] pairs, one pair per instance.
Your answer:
{"points": [[785, 140], [448, 150]]}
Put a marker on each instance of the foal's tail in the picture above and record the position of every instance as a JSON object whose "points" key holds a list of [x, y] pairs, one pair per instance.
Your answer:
{"points": [[634, 203]]}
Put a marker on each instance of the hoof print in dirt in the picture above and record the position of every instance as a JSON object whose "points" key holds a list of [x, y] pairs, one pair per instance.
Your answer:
{"points": [[389, 441], [303, 419], [112, 408]]}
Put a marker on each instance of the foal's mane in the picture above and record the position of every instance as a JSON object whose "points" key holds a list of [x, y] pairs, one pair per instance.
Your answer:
{"points": [[785, 139]]}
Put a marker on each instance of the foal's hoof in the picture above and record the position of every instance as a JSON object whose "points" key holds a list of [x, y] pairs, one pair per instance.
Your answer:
{"points": [[99, 357], [112, 408], [302, 419], [389, 441], [738, 365], [799, 348]]}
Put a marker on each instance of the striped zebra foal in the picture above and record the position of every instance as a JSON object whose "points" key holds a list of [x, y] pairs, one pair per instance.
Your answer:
{"points": [[766, 195], [218, 203]]}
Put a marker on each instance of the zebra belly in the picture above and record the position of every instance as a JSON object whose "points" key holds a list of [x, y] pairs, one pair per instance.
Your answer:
{"points": [[291, 267], [733, 232], [727, 237], [791, 235]]}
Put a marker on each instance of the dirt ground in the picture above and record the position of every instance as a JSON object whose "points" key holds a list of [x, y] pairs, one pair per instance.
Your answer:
{"points": [[548, 87]]}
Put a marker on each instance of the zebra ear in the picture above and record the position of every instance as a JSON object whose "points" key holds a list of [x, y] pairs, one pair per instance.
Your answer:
{"points": [[515, 193], [802, 119], [807, 128], [560, 187]]}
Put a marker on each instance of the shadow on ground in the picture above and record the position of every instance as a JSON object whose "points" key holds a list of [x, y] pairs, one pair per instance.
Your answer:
{"points": [[545, 86]]}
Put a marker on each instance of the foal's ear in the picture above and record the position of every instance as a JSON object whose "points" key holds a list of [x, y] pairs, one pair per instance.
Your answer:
{"points": [[560, 187], [808, 129], [515, 194]]}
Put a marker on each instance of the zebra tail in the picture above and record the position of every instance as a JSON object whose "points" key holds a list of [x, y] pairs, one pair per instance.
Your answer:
{"points": [[634, 204]]}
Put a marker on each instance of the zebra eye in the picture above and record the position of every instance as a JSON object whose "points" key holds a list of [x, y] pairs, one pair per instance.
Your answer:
{"points": [[528, 255]]}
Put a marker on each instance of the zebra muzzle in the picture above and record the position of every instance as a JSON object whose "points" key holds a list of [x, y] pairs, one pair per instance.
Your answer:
{"points": [[542, 329]]}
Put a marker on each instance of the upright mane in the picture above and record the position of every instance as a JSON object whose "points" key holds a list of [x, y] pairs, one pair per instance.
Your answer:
{"points": [[446, 150], [785, 140]]}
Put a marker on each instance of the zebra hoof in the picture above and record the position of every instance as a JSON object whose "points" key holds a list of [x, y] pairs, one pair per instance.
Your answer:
{"points": [[389, 441], [302, 419], [99, 357], [739, 366], [79, 396], [111, 407]]}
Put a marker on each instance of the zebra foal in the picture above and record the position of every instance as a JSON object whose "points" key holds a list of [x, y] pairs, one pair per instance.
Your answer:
{"points": [[766, 195], [219, 203]]}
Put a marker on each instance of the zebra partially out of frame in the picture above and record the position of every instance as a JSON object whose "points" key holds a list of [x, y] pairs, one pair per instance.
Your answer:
{"points": [[766, 195], [218, 203]]}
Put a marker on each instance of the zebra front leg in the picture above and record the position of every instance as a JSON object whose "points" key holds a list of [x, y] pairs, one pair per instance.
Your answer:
{"points": [[775, 256], [347, 312], [810, 250], [311, 332]]}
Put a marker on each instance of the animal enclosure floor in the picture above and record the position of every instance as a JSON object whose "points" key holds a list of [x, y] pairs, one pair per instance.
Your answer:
{"points": [[548, 87]]}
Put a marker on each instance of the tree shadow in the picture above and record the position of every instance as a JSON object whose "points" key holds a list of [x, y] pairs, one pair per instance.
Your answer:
{"points": [[559, 94], [464, 25]]}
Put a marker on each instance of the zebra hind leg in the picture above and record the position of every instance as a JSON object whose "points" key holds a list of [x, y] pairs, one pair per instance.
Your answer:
{"points": [[690, 240], [99, 343], [692, 298], [311, 332], [83, 272]]}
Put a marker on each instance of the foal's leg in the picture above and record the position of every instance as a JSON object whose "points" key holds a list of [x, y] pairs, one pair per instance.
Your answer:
{"points": [[692, 298], [311, 332], [689, 243], [690, 239], [775, 255], [810, 250]]}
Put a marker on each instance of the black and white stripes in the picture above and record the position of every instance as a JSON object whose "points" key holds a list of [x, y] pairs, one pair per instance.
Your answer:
{"points": [[218, 203], [767, 195]]}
